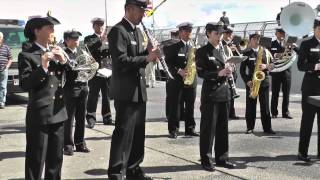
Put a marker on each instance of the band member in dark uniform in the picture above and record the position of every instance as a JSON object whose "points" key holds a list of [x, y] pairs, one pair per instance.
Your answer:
{"points": [[76, 94], [178, 94], [215, 98], [280, 79], [227, 41], [128, 49], [308, 61], [96, 44], [41, 74], [251, 103]]}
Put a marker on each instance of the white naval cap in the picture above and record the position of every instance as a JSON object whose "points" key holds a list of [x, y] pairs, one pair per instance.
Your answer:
{"points": [[97, 19], [185, 25]]}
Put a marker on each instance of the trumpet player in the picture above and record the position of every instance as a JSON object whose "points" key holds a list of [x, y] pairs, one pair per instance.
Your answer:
{"points": [[215, 99], [76, 93], [251, 103], [309, 62], [41, 74], [280, 79], [179, 94], [96, 45]]}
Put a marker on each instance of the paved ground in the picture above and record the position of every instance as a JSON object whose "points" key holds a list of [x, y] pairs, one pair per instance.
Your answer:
{"points": [[258, 156]]}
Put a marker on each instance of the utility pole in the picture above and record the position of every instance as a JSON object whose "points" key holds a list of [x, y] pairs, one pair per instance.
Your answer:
{"points": [[153, 21], [106, 13]]}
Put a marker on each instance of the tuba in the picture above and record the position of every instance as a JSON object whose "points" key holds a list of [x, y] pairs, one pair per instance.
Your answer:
{"points": [[296, 19], [258, 75]]}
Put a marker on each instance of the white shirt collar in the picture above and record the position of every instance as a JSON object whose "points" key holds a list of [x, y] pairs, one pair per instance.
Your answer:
{"points": [[44, 49], [255, 49], [185, 43], [318, 39], [131, 24], [98, 35], [279, 42], [73, 51]]}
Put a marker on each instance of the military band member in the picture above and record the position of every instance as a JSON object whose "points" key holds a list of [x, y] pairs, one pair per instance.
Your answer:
{"points": [[76, 95], [280, 78], [215, 98], [308, 61], [178, 94], [41, 74], [100, 52], [227, 41], [128, 49], [251, 104]]}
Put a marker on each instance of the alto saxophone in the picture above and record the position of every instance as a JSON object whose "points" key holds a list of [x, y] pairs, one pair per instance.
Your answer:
{"points": [[258, 75], [191, 67]]}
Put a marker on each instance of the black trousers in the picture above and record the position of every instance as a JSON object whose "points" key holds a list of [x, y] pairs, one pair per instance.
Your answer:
{"points": [[44, 147], [76, 109], [214, 124], [308, 114], [251, 109], [95, 85], [178, 95], [127, 145], [280, 79]]}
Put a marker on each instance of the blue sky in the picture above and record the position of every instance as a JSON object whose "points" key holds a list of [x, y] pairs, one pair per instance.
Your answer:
{"points": [[78, 13]]}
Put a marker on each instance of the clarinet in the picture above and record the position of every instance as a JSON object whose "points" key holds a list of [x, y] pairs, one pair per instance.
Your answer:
{"points": [[153, 43], [230, 79]]}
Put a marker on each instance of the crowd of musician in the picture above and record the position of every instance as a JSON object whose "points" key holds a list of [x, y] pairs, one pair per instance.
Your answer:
{"points": [[57, 97]]}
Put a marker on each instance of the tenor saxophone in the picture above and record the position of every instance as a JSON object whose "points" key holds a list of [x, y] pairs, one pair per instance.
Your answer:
{"points": [[191, 67], [258, 75]]}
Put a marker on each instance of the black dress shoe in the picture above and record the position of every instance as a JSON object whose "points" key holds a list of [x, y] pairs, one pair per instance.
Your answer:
{"points": [[137, 174], [191, 133], [91, 123], [107, 120], [270, 131], [287, 116], [208, 166], [173, 135], [226, 164], [274, 116], [304, 158], [234, 117], [68, 151], [82, 148], [249, 131]]}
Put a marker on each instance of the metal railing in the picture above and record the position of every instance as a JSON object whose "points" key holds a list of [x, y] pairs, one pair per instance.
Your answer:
{"points": [[266, 28]]}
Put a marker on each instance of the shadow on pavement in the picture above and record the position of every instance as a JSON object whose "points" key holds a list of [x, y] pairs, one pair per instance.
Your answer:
{"points": [[280, 134], [242, 162], [13, 154], [98, 138], [15, 99], [12, 130], [97, 172]]}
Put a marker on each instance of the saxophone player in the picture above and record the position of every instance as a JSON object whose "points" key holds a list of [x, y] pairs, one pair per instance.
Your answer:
{"points": [[215, 99], [251, 103], [76, 93], [309, 62], [280, 78], [179, 94]]}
